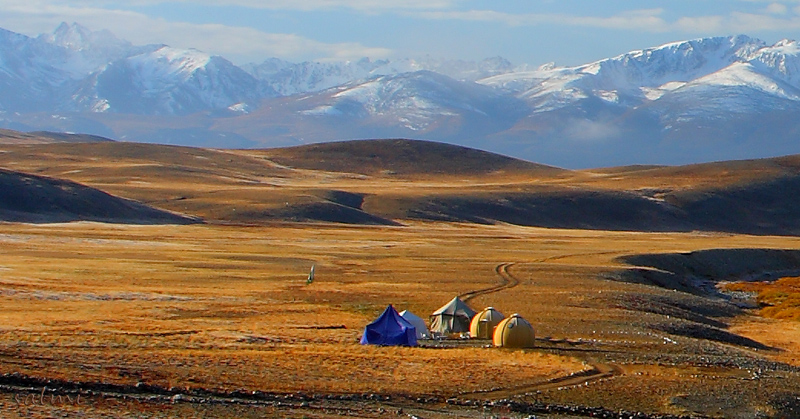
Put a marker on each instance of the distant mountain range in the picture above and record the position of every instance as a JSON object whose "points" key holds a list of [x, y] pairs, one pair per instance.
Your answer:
{"points": [[692, 101]]}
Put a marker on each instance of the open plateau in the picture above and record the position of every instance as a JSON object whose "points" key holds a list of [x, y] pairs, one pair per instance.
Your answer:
{"points": [[153, 281]]}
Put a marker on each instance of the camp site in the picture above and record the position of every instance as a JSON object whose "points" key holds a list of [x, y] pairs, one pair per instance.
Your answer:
{"points": [[448, 322]]}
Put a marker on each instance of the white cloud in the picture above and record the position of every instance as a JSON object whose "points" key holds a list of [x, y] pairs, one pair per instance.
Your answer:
{"points": [[364, 5], [774, 18], [361, 5], [747, 22], [240, 44], [776, 9], [246, 44], [701, 24], [648, 20], [586, 131], [644, 20]]}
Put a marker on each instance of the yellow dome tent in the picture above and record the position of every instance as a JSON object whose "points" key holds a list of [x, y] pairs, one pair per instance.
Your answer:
{"points": [[514, 332], [483, 324]]}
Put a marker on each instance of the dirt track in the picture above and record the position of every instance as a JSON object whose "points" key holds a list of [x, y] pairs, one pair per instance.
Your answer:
{"points": [[506, 281], [598, 372]]}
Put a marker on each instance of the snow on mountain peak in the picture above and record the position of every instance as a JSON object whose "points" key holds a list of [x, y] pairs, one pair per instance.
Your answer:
{"points": [[547, 66], [74, 36], [77, 37], [786, 43], [174, 60], [79, 51], [745, 74], [633, 77]]}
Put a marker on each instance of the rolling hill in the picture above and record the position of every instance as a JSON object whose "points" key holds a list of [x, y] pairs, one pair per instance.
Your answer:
{"points": [[37, 199], [389, 182], [403, 157], [44, 137]]}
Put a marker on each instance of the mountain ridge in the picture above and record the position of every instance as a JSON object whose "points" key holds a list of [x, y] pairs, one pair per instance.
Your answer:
{"points": [[705, 99]]}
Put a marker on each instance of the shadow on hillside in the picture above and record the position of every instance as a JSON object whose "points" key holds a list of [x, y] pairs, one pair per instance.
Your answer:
{"points": [[702, 331], [38, 199], [699, 272], [699, 310], [762, 208]]}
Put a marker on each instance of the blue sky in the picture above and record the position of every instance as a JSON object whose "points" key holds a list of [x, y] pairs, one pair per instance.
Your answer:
{"points": [[567, 32]]}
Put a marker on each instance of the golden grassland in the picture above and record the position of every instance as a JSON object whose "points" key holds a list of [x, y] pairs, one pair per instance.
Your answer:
{"points": [[219, 185], [778, 299], [226, 307]]}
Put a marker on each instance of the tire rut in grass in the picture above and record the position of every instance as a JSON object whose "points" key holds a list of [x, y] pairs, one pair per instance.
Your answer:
{"points": [[598, 372], [506, 281]]}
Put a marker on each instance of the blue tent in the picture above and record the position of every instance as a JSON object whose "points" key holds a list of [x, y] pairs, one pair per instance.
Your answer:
{"points": [[390, 329]]}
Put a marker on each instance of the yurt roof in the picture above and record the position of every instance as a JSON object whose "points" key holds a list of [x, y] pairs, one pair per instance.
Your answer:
{"points": [[455, 307]]}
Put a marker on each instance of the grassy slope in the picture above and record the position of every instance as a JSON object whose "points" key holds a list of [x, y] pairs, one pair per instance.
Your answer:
{"points": [[45, 137], [31, 198], [405, 158]]}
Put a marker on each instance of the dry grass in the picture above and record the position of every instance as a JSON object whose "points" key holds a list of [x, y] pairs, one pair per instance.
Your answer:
{"points": [[219, 185], [779, 299], [226, 306], [229, 306]]}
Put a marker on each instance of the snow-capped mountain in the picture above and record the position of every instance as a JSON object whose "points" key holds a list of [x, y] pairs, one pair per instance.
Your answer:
{"points": [[29, 72], [75, 69], [289, 78], [167, 81], [410, 105], [689, 101], [631, 78], [697, 100], [413, 99], [80, 51], [97, 72]]}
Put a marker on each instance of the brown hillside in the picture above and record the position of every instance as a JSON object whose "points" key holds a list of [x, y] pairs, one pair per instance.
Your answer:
{"points": [[29, 198], [694, 176], [45, 137], [402, 157]]}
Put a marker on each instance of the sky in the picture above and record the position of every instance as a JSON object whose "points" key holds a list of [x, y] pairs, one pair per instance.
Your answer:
{"points": [[534, 32]]}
